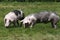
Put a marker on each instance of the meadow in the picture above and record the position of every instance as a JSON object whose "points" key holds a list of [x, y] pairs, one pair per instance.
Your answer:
{"points": [[39, 31]]}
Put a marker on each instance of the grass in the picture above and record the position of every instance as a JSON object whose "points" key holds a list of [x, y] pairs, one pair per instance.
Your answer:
{"points": [[39, 31]]}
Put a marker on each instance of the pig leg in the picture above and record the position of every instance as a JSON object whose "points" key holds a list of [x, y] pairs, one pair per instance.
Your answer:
{"points": [[14, 22], [17, 22], [32, 24], [54, 23]]}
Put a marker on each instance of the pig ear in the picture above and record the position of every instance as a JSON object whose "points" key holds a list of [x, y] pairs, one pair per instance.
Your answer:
{"points": [[29, 19], [9, 20], [5, 20]]}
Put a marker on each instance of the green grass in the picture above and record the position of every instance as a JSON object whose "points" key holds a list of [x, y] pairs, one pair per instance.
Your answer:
{"points": [[39, 31]]}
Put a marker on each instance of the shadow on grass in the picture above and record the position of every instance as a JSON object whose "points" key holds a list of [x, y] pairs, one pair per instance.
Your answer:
{"points": [[12, 26]]}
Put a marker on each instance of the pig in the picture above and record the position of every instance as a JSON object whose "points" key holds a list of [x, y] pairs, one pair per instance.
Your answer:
{"points": [[13, 17], [41, 17]]}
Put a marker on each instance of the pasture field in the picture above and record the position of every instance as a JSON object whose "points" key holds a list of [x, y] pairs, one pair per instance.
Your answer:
{"points": [[40, 31]]}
